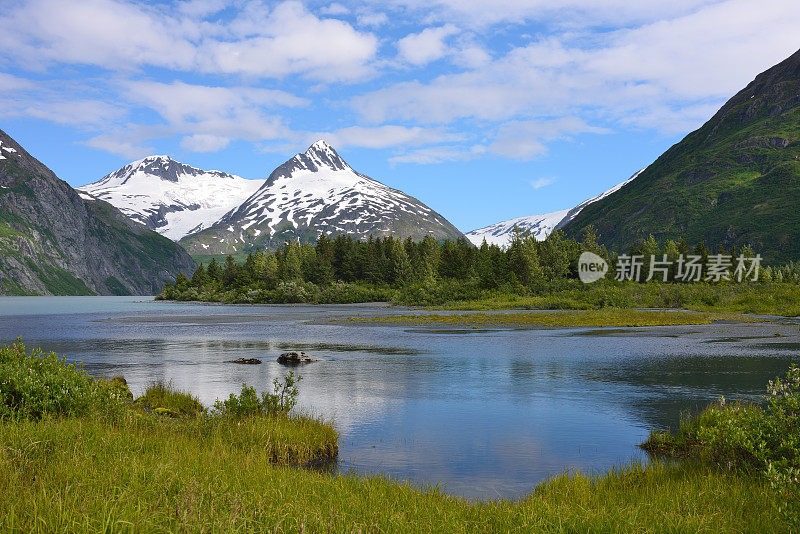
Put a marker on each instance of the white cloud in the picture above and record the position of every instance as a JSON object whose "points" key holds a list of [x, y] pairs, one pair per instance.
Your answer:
{"points": [[126, 149], [435, 154], [106, 33], [562, 13], [469, 72], [204, 143], [542, 182], [260, 41], [426, 46], [387, 136], [631, 77], [223, 112], [291, 40], [526, 139], [201, 8], [372, 20], [74, 112], [10, 82], [178, 100], [334, 9]]}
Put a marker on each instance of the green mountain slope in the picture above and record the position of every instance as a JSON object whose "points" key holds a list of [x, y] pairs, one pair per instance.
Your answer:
{"points": [[53, 242], [734, 181]]}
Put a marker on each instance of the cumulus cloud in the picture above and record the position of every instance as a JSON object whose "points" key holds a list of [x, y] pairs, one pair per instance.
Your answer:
{"points": [[261, 41], [291, 40], [211, 117], [426, 46], [121, 147], [630, 76], [204, 143], [505, 78], [526, 139]]}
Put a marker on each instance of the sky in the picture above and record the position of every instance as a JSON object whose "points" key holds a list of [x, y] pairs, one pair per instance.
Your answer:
{"points": [[484, 110]]}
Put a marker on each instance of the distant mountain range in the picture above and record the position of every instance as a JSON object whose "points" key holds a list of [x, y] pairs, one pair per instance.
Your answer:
{"points": [[540, 226], [169, 197], [212, 212], [53, 242], [735, 181]]}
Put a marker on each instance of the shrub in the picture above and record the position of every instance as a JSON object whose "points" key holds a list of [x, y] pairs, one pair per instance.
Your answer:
{"points": [[746, 436], [34, 384], [282, 399]]}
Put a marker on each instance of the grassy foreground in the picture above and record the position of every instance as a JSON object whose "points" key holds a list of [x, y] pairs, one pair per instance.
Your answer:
{"points": [[556, 319], [83, 476], [76, 455]]}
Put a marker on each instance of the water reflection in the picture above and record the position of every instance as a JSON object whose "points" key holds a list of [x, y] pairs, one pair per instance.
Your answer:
{"points": [[484, 413]]}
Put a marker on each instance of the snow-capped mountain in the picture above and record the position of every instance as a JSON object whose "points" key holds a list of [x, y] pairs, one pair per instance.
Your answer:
{"points": [[315, 192], [577, 209], [500, 233], [169, 197], [539, 225]]}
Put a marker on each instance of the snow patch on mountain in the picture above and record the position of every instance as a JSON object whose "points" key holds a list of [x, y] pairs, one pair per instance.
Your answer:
{"points": [[540, 226], [316, 181], [6, 149], [172, 198], [317, 191], [500, 233]]}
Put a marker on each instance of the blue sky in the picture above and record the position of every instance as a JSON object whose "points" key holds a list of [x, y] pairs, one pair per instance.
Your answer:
{"points": [[484, 110]]}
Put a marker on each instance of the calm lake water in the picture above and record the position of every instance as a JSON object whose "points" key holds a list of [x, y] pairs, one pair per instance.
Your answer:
{"points": [[482, 413]]}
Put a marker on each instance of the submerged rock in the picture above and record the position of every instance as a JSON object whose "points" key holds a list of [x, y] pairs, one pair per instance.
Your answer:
{"points": [[250, 361], [294, 357]]}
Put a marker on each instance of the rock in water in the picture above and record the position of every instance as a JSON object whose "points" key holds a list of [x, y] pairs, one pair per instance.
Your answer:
{"points": [[295, 357], [250, 361]]}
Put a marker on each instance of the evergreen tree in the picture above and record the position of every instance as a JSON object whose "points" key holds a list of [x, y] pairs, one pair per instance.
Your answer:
{"points": [[199, 278], [229, 272], [214, 271]]}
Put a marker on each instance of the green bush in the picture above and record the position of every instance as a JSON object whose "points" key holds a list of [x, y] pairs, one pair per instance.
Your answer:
{"points": [[34, 384], [746, 436], [282, 399]]}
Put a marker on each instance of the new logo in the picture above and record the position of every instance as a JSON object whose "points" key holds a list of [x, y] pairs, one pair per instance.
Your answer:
{"points": [[591, 267]]}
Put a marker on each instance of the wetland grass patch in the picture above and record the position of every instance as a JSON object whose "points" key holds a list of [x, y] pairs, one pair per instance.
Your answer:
{"points": [[606, 317]]}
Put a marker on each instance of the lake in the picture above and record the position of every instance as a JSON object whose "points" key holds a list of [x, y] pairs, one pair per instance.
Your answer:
{"points": [[483, 413]]}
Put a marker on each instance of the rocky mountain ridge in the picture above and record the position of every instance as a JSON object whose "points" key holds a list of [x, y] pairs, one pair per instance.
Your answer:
{"points": [[54, 242], [318, 192]]}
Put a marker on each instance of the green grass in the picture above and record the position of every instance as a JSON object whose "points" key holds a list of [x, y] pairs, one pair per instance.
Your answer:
{"points": [[138, 472], [164, 399], [557, 319], [145, 475], [754, 298], [755, 438]]}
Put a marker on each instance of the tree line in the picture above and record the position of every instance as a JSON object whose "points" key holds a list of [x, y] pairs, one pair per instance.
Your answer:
{"points": [[391, 262]]}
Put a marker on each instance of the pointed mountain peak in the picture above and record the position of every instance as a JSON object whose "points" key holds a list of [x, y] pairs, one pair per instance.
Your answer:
{"points": [[320, 146], [322, 154], [318, 158]]}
